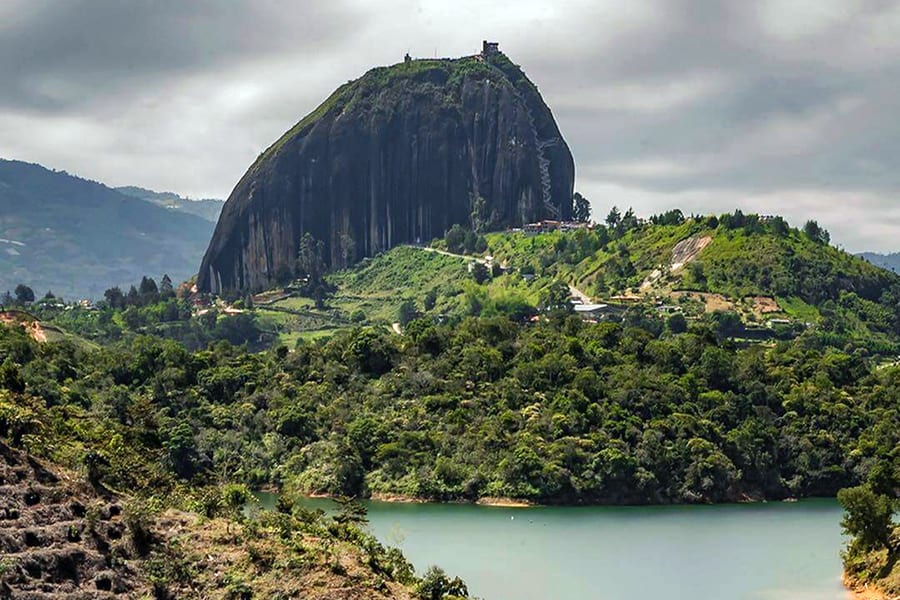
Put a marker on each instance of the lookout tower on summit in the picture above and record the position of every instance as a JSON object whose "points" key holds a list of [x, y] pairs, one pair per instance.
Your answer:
{"points": [[489, 48]]}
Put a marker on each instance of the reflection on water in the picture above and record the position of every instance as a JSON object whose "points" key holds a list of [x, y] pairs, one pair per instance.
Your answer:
{"points": [[772, 551]]}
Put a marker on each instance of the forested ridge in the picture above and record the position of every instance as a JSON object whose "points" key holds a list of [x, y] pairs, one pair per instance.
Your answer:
{"points": [[560, 412]]}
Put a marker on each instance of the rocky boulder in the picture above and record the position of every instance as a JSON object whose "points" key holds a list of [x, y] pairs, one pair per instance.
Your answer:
{"points": [[397, 156]]}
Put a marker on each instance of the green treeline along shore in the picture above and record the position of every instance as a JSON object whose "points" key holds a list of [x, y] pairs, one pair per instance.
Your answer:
{"points": [[497, 386]]}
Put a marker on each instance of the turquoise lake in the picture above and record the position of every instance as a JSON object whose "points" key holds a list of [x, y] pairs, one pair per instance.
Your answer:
{"points": [[773, 551]]}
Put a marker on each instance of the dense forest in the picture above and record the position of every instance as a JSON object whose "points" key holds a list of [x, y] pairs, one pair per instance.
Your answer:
{"points": [[558, 412]]}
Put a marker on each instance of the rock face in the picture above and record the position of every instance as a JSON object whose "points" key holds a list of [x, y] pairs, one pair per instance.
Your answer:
{"points": [[397, 156]]}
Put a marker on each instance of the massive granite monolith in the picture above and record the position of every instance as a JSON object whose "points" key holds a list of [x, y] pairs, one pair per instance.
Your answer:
{"points": [[397, 156]]}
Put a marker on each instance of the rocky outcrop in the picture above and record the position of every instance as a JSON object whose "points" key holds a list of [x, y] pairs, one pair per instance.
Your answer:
{"points": [[397, 156]]}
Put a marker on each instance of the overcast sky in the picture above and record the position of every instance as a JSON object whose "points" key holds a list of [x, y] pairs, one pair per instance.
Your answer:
{"points": [[778, 106]]}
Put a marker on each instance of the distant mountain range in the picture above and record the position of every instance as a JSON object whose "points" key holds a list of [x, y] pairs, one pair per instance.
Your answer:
{"points": [[891, 262], [208, 208], [77, 237]]}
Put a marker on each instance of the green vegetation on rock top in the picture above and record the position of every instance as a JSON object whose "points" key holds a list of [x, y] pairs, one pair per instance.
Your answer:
{"points": [[446, 72]]}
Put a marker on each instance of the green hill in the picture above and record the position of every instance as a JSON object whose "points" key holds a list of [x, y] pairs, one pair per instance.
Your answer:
{"points": [[772, 277], [208, 208], [77, 237]]}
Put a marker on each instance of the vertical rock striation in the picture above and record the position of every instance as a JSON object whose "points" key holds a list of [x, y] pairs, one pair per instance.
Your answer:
{"points": [[397, 156]]}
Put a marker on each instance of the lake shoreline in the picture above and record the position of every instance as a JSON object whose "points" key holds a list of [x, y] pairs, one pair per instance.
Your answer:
{"points": [[865, 591], [507, 502], [402, 499]]}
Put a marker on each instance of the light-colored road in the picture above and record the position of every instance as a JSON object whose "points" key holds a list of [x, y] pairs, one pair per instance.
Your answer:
{"points": [[576, 293], [445, 253]]}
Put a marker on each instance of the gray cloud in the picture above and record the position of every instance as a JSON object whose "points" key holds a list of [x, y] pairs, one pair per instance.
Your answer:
{"points": [[57, 56], [777, 106]]}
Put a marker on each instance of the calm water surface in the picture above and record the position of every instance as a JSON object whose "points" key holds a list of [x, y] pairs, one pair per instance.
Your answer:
{"points": [[775, 551]]}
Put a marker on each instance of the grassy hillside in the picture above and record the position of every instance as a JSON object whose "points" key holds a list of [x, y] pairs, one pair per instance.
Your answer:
{"points": [[374, 291], [78, 238], [759, 269], [733, 268]]}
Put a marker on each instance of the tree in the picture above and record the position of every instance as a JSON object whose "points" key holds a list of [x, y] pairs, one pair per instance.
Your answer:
{"points": [[671, 217], [727, 323], [435, 585], [677, 323], [95, 465], [816, 233], [780, 226], [24, 294], [348, 249], [455, 238], [166, 289], [735, 220], [867, 517], [480, 273], [114, 297], [698, 273], [613, 218], [234, 497], [181, 449], [11, 376], [581, 208], [350, 511], [406, 312], [556, 297], [310, 263], [629, 221], [148, 287], [470, 242], [481, 219], [430, 299]]}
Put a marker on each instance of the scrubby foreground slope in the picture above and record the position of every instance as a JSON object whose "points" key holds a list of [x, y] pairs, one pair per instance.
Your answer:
{"points": [[59, 538], [62, 538]]}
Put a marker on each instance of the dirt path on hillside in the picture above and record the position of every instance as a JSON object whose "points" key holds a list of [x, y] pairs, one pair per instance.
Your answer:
{"points": [[27, 322], [451, 254]]}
